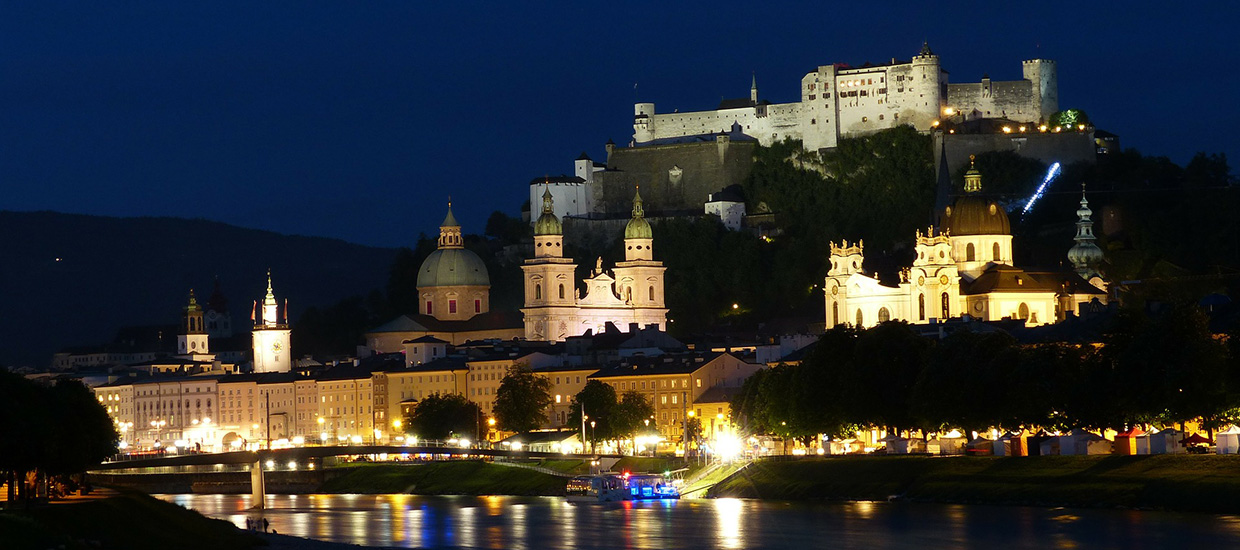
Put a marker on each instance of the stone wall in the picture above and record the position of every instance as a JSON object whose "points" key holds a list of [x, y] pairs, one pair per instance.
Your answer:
{"points": [[1064, 148], [672, 177]]}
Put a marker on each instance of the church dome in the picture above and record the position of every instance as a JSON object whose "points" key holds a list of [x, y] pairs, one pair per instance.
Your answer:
{"points": [[453, 267], [974, 215], [638, 227], [547, 223]]}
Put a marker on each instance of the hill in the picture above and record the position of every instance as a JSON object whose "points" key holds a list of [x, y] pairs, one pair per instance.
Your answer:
{"points": [[72, 279]]}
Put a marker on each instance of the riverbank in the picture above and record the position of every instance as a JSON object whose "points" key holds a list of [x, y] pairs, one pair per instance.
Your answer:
{"points": [[1165, 482], [464, 477]]}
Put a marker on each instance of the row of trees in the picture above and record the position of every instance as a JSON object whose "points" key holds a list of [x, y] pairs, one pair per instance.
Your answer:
{"points": [[55, 430], [1161, 370], [521, 405]]}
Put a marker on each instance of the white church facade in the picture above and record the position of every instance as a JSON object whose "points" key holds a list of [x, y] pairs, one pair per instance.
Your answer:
{"points": [[631, 293], [964, 269]]}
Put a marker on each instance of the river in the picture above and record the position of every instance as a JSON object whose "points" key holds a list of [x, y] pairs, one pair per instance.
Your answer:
{"points": [[412, 521]]}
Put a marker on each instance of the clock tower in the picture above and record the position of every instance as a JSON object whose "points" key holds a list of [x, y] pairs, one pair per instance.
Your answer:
{"points": [[271, 335]]}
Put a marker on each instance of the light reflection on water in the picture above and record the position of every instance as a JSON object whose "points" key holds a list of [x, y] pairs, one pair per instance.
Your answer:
{"points": [[410, 521]]}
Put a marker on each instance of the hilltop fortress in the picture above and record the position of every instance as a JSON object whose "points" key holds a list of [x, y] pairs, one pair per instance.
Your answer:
{"points": [[842, 101]]}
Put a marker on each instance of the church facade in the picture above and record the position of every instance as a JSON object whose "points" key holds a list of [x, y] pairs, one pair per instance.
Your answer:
{"points": [[633, 291], [965, 268]]}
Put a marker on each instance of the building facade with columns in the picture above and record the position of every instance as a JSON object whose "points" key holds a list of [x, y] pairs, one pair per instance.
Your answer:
{"points": [[633, 291], [964, 268]]}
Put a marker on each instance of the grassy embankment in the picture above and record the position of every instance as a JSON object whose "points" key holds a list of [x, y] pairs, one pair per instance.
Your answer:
{"points": [[1190, 483], [130, 521]]}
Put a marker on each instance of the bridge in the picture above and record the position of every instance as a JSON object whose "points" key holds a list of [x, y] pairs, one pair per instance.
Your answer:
{"points": [[256, 460]]}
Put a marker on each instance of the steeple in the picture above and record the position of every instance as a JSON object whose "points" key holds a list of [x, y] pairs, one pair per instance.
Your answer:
{"points": [[270, 306], [1085, 255], [193, 337], [450, 231], [638, 236], [925, 48], [972, 178], [193, 316], [753, 90]]}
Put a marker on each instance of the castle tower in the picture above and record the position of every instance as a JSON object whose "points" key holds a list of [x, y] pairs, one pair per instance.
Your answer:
{"points": [[643, 123], [271, 336], [978, 227], [639, 278], [1045, 79], [928, 84], [193, 338], [453, 284], [1085, 255], [550, 288]]}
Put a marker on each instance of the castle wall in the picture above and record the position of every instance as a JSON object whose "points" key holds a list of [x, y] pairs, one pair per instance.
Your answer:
{"points": [[766, 123], [1064, 148], [672, 177], [1016, 100]]}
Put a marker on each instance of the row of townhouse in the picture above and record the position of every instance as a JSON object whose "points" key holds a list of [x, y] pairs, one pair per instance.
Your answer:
{"points": [[365, 401]]}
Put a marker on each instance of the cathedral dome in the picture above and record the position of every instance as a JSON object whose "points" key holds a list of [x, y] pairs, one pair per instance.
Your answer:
{"points": [[547, 223], [973, 215], [453, 267], [638, 227]]}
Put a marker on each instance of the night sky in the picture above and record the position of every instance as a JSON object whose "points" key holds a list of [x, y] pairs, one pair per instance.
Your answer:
{"points": [[357, 120]]}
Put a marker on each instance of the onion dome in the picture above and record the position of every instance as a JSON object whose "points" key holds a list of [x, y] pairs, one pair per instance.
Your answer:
{"points": [[638, 227], [972, 214], [547, 223], [452, 264], [1085, 255]]}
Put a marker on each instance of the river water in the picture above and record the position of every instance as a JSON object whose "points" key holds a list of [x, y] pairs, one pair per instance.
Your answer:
{"points": [[412, 521]]}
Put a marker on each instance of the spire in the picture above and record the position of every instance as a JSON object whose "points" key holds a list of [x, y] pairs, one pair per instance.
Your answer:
{"points": [[1085, 255], [972, 178], [638, 227], [925, 48], [753, 90], [637, 204], [547, 223], [270, 299], [450, 230], [193, 303], [547, 209]]}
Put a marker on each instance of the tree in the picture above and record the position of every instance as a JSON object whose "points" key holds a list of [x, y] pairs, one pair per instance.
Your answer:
{"points": [[629, 415], [1068, 118], [522, 400], [599, 401], [441, 416]]}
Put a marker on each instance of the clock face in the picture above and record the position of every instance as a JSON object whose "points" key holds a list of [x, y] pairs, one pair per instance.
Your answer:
{"points": [[211, 315], [977, 306], [921, 281], [835, 290], [943, 279], [275, 346]]}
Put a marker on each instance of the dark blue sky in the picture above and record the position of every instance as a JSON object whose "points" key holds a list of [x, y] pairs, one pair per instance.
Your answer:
{"points": [[357, 119]]}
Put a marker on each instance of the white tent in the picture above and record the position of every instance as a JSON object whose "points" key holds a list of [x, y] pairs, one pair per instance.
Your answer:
{"points": [[1228, 442], [1081, 442], [1167, 442], [896, 445]]}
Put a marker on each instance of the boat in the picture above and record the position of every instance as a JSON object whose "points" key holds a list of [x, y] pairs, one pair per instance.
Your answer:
{"points": [[597, 488], [650, 487]]}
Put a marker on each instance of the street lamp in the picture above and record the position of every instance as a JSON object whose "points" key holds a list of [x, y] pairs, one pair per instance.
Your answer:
{"points": [[322, 434], [592, 436]]}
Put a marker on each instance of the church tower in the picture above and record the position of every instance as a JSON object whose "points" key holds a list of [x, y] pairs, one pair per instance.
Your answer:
{"points": [[1085, 255], [753, 90], [978, 227], [550, 291], [271, 336], [193, 338], [639, 278], [453, 284]]}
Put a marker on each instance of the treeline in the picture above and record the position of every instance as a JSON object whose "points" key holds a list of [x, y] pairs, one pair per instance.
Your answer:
{"points": [[1159, 370], [51, 431]]}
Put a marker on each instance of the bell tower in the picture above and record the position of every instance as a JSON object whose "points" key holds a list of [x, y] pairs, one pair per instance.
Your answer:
{"points": [[193, 339], [271, 335], [550, 285]]}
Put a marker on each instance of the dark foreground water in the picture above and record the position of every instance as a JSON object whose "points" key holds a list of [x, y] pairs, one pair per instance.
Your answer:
{"points": [[410, 521]]}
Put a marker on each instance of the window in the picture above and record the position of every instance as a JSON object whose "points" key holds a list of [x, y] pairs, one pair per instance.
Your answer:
{"points": [[946, 309], [651, 293], [561, 291], [557, 398], [994, 252], [969, 253], [537, 292], [1023, 312], [451, 306], [835, 313], [673, 399], [699, 382], [921, 307], [883, 315], [664, 399], [859, 317], [429, 310], [477, 306]]}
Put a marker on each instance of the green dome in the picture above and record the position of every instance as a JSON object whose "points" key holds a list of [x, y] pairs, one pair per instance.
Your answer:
{"points": [[548, 224], [453, 267], [638, 228]]}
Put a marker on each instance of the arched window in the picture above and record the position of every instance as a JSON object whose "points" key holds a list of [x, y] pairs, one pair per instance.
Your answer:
{"points": [[561, 291], [969, 253], [652, 293], [859, 318], [994, 252], [537, 292], [835, 313], [883, 315], [1023, 312], [921, 307], [947, 312]]}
